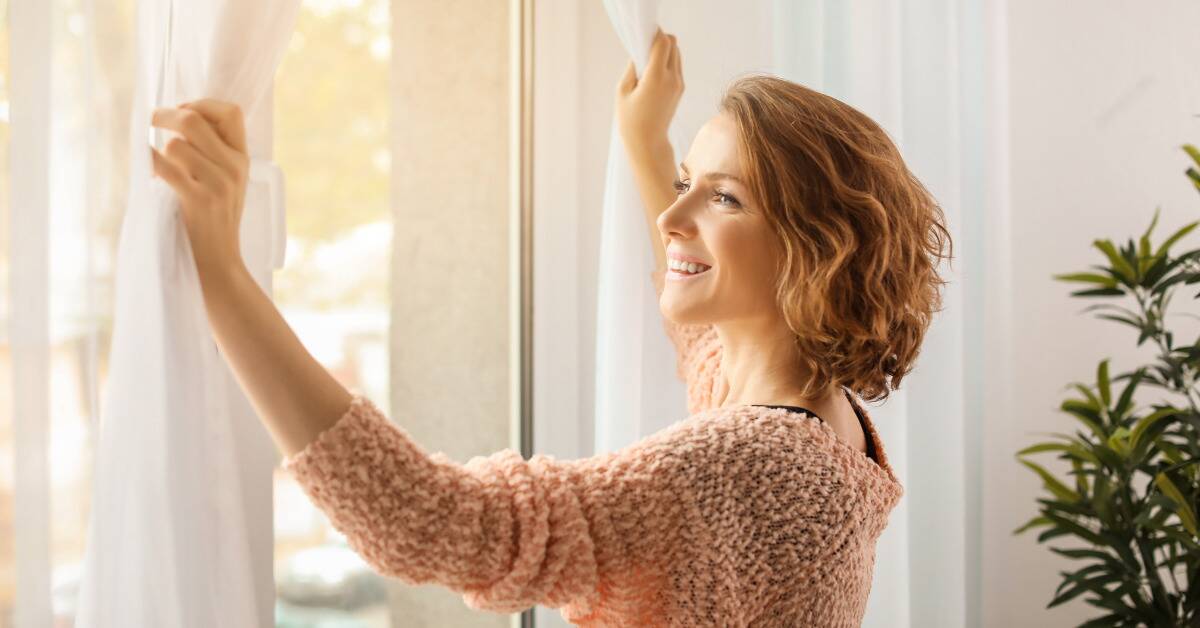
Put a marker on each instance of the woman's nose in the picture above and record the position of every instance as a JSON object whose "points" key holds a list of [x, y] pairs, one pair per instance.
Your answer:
{"points": [[676, 219]]}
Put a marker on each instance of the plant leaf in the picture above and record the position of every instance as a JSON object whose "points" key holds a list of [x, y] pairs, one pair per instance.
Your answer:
{"points": [[1088, 415], [1103, 383], [1187, 516], [1192, 152], [1153, 223], [1101, 499], [1087, 392], [1074, 527], [1119, 264], [1095, 584], [1103, 280], [1074, 449], [1118, 442], [1142, 425], [1127, 395], [1186, 229], [1033, 523], [1052, 483], [1099, 292], [1113, 562]]}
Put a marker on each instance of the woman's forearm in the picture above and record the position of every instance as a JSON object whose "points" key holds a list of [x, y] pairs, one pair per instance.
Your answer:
{"points": [[293, 393], [653, 164]]}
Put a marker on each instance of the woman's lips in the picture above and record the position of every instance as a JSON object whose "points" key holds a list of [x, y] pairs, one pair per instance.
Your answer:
{"points": [[675, 275], [686, 258]]}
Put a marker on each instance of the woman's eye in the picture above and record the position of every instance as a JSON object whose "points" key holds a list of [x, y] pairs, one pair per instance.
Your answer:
{"points": [[725, 199], [680, 187]]}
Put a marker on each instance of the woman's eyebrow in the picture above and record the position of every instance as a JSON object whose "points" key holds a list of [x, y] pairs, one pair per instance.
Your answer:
{"points": [[714, 175]]}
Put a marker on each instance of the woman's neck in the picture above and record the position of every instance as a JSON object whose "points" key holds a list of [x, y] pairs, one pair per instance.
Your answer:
{"points": [[758, 362]]}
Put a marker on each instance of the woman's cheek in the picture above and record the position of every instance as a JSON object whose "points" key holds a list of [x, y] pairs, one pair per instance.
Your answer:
{"points": [[767, 262]]}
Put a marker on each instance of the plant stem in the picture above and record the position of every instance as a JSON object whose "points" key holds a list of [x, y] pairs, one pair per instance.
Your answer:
{"points": [[1157, 591]]}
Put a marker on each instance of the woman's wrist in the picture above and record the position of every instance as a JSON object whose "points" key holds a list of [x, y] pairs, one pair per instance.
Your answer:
{"points": [[217, 281], [654, 169], [645, 147]]}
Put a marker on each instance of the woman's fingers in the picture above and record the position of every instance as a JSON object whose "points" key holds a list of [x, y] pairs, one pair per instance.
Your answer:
{"points": [[173, 174], [628, 80], [673, 57], [208, 176], [660, 51], [226, 119], [195, 128], [679, 67]]}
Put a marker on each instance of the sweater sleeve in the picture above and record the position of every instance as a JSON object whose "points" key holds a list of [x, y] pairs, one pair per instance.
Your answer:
{"points": [[697, 354], [506, 532]]}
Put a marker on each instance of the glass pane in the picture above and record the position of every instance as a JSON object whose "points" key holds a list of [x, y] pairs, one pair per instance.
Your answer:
{"points": [[331, 139]]}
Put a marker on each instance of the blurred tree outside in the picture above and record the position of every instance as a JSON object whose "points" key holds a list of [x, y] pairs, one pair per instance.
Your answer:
{"points": [[331, 140]]}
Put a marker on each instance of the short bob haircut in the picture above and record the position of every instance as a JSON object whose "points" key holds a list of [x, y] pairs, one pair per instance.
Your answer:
{"points": [[862, 237]]}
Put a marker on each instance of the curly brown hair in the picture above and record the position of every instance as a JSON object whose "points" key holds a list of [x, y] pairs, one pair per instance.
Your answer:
{"points": [[862, 237]]}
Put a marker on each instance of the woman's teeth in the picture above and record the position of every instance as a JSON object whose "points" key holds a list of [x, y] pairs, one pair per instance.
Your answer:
{"points": [[690, 268]]}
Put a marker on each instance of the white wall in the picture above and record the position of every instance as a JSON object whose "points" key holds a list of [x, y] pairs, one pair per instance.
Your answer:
{"points": [[1102, 94]]}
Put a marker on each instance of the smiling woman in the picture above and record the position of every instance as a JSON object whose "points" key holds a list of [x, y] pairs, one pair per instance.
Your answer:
{"points": [[821, 241]]}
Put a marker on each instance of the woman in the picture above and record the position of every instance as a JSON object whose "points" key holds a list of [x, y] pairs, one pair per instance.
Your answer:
{"points": [[796, 262]]}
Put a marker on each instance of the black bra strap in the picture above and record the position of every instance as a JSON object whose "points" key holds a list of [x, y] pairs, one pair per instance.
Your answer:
{"points": [[792, 408], [861, 421]]}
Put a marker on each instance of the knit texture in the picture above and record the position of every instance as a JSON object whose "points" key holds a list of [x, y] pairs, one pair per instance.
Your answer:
{"points": [[733, 516]]}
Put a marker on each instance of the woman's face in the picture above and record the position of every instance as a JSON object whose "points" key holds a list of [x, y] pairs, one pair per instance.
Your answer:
{"points": [[715, 221]]}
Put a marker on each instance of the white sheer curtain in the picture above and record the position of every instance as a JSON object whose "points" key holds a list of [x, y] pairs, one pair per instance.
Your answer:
{"points": [[931, 73], [180, 533], [635, 364]]}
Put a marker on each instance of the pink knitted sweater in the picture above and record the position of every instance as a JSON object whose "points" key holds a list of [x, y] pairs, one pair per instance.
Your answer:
{"points": [[734, 516]]}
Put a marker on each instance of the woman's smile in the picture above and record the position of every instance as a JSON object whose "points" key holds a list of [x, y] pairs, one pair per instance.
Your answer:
{"points": [[680, 268], [683, 275]]}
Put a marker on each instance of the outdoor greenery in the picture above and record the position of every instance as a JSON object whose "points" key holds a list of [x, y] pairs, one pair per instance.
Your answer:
{"points": [[1131, 507], [332, 115]]}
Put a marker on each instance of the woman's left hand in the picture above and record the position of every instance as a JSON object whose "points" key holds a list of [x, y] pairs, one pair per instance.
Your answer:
{"points": [[208, 167]]}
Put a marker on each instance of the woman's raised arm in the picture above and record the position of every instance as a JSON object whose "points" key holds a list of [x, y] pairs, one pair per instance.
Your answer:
{"points": [[645, 107]]}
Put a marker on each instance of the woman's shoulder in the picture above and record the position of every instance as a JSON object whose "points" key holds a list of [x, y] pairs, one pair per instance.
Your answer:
{"points": [[779, 469], [739, 450], [790, 440]]}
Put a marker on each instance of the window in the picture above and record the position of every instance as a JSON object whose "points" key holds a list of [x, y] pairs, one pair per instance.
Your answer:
{"points": [[333, 106]]}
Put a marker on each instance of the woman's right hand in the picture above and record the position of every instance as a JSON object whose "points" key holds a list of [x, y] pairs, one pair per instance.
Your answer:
{"points": [[646, 105]]}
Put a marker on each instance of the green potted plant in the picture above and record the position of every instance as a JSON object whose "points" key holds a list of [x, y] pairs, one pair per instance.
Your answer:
{"points": [[1128, 518]]}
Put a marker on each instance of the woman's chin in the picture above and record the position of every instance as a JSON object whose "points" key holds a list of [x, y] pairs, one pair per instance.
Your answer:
{"points": [[682, 311]]}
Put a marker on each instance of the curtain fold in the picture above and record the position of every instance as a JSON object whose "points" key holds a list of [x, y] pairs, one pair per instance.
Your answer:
{"points": [[176, 535], [637, 393]]}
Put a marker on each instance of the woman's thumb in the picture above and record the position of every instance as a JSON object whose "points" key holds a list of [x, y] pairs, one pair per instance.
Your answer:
{"points": [[628, 80]]}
